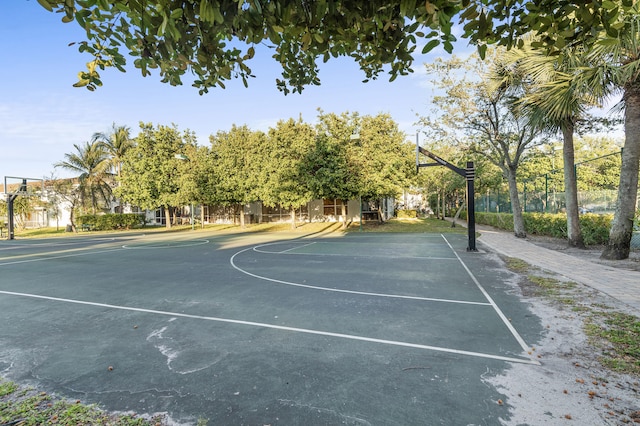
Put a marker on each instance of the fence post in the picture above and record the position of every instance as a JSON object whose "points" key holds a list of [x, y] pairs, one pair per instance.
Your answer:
{"points": [[546, 192]]}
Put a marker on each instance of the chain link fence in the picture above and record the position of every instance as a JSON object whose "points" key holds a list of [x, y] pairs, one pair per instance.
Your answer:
{"points": [[596, 202]]}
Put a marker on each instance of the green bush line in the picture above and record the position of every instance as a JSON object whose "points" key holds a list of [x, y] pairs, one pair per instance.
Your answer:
{"points": [[406, 214], [112, 221], [595, 227]]}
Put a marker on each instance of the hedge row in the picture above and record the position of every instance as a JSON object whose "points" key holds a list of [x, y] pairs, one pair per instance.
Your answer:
{"points": [[595, 227], [112, 221], [406, 214]]}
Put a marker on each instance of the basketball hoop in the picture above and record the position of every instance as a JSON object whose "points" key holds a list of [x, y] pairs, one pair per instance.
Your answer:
{"points": [[15, 187]]}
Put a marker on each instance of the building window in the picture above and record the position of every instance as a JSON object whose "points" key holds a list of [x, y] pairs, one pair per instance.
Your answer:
{"points": [[333, 207], [280, 214], [160, 218]]}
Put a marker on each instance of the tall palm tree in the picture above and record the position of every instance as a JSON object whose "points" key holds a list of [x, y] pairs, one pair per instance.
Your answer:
{"points": [[116, 143], [619, 71], [538, 77], [613, 67], [91, 163]]}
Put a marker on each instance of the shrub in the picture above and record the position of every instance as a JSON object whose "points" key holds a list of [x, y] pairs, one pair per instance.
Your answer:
{"points": [[595, 227], [404, 214], [497, 220], [87, 219], [112, 221], [552, 225]]}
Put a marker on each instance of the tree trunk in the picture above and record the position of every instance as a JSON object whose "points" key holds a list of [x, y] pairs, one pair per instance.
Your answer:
{"points": [[344, 214], [293, 218], [619, 243], [518, 220], [574, 234], [72, 218], [167, 217], [241, 213]]}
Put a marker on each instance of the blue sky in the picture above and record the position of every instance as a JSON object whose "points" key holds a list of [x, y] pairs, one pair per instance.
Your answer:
{"points": [[42, 116]]}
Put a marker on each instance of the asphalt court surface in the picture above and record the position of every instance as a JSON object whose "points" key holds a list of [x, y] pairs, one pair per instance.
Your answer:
{"points": [[265, 329]]}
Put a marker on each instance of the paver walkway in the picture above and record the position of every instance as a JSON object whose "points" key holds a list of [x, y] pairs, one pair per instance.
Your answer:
{"points": [[621, 284]]}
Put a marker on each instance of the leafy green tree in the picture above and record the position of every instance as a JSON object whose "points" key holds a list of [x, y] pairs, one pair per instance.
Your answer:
{"points": [[359, 157], [199, 178], [329, 169], [91, 164], [386, 159], [206, 37], [598, 161], [22, 207], [282, 177], [471, 112], [555, 24], [237, 155], [151, 171]]}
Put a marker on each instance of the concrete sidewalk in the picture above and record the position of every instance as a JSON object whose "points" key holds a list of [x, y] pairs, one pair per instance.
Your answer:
{"points": [[621, 284]]}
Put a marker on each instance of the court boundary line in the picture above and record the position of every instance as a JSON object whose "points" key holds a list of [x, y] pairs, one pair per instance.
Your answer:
{"points": [[293, 248], [338, 290], [501, 314], [86, 250], [190, 243], [56, 244], [42, 259], [386, 256], [276, 327]]}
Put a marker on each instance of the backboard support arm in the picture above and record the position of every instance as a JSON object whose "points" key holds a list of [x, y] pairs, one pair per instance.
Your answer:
{"points": [[469, 174]]}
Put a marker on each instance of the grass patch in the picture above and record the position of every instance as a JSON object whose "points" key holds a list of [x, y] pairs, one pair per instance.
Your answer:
{"points": [[551, 287], [7, 388], [40, 232], [26, 406], [410, 225], [413, 225], [618, 335], [545, 283], [517, 265], [303, 227], [615, 334]]}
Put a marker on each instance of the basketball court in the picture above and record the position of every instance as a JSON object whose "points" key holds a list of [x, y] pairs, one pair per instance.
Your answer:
{"points": [[265, 328]]}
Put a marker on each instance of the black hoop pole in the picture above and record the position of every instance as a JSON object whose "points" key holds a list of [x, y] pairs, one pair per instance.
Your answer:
{"points": [[469, 174], [471, 206]]}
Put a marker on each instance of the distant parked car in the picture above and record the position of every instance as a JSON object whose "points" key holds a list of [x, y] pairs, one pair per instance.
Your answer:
{"points": [[583, 210]]}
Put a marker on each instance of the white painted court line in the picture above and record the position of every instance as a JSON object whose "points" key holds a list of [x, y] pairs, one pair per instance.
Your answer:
{"points": [[169, 244], [502, 316], [337, 290], [43, 256], [275, 327], [58, 244], [257, 249], [42, 259], [294, 248]]}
